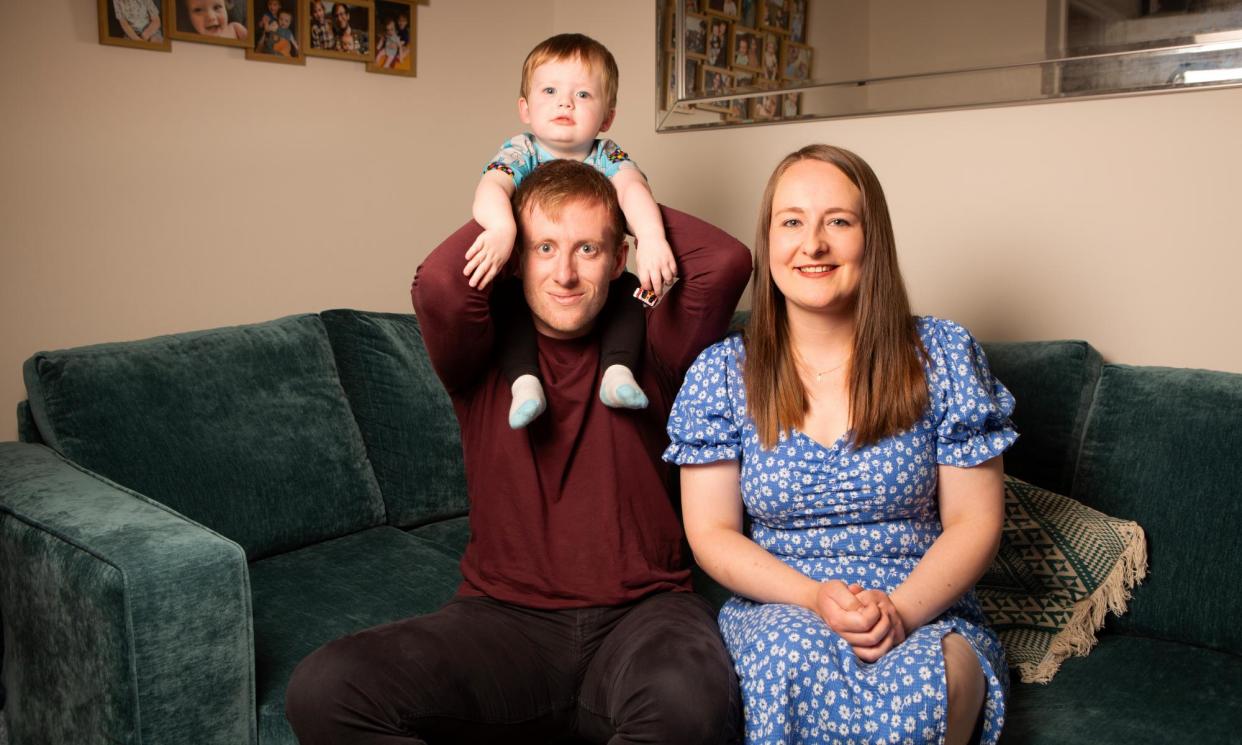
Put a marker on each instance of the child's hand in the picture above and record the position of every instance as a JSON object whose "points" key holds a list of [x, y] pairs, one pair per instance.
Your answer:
{"points": [[487, 256], [656, 267]]}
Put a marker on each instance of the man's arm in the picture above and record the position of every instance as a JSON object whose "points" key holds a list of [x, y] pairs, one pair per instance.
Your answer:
{"points": [[715, 268], [454, 317]]}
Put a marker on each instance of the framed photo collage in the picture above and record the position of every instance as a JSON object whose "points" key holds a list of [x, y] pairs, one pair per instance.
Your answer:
{"points": [[733, 44], [378, 33]]}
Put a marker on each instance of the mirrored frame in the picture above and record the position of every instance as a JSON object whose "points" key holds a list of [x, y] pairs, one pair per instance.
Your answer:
{"points": [[950, 54]]}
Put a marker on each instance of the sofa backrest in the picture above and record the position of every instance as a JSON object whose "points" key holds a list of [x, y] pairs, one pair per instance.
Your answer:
{"points": [[245, 429], [404, 414], [1162, 447], [1052, 382]]}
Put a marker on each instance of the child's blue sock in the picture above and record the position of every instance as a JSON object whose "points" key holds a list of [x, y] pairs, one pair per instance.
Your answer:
{"points": [[528, 401], [619, 390]]}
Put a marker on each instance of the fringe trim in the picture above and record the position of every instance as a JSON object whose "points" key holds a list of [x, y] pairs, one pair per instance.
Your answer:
{"points": [[1078, 636]]}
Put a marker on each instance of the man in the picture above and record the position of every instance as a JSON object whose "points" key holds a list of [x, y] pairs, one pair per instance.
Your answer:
{"points": [[574, 618]]}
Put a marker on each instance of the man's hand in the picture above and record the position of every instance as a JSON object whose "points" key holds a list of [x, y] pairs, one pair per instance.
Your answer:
{"points": [[487, 256], [656, 267]]}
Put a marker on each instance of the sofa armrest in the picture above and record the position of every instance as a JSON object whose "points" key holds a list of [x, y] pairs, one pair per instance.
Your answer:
{"points": [[124, 621]]}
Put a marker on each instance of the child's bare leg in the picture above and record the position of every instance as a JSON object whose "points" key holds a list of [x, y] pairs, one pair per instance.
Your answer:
{"points": [[623, 331], [964, 677]]}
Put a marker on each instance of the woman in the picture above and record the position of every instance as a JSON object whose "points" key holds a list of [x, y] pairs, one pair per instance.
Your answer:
{"points": [[865, 446]]}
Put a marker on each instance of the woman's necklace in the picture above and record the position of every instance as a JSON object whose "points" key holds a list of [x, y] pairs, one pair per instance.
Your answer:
{"points": [[819, 374]]}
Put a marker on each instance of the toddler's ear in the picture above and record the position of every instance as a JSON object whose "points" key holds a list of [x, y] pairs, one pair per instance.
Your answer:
{"points": [[523, 110], [612, 114]]}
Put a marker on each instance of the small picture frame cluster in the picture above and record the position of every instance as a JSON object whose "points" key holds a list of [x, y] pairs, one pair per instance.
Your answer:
{"points": [[740, 45], [379, 33]]}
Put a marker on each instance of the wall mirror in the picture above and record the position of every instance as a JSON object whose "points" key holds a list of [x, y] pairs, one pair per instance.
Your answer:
{"points": [[751, 62]]}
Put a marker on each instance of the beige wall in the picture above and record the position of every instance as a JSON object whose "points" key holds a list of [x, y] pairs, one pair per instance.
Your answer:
{"points": [[149, 193]]}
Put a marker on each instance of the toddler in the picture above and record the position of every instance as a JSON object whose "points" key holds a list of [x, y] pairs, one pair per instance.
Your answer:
{"points": [[389, 45], [211, 18], [139, 19], [568, 97]]}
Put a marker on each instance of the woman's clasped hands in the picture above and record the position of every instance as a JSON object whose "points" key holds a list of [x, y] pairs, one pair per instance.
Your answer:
{"points": [[866, 619]]}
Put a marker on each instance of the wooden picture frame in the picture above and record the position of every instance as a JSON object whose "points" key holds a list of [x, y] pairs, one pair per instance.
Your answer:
{"points": [[791, 105], [224, 22], [277, 32], [116, 27], [394, 56], [670, 78], [773, 16], [765, 108], [745, 49], [770, 63], [719, 33], [696, 35], [730, 9], [795, 61], [359, 20], [748, 13], [797, 20], [715, 81], [738, 107]]}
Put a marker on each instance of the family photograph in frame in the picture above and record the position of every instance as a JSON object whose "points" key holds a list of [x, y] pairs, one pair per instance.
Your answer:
{"points": [[773, 16], [692, 78], [765, 108], [394, 38], [726, 8], [771, 68], [795, 61], [718, 31], [797, 20], [696, 35], [134, 23], [226, 22], [338, 30], [745, 49], [717, 82], [276, 32]]}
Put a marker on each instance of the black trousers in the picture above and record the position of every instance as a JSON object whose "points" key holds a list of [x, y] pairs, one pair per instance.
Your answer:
{"points": [[622, 328], [482, 671]]}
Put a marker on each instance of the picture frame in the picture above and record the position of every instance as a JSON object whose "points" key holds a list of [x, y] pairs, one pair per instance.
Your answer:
{"points": [[693, 75], [797, 20], [745, 49], [725, 8], [770, 64], [117, 19], [719, 33], [696, 35], [795, 61], [224, 22], [327, 39], [748, 13], [716, 81], [765, 108], [738, 107], [277, 32], [791, 105], [773, 16], [394, 38]]}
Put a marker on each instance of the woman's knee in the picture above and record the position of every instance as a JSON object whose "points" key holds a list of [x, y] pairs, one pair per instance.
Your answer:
{"points": [[965, 681]]}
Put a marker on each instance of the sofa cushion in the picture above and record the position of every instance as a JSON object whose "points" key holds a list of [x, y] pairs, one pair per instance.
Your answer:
{"points": [[245, 429], [1052, 382], [1162, 447], [406, 418], [309, 597], [1131, 691], [1061, 566]]}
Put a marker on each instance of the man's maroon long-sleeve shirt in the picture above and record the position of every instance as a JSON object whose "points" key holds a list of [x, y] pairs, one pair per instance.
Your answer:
{"points": [[575, 509]]}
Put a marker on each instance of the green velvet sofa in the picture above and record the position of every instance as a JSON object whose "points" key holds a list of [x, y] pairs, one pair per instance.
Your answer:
{"points": [[186, 517]]}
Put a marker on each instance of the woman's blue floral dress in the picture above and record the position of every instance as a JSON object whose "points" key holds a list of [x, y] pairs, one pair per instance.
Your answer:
{"points": [[864, 516]]}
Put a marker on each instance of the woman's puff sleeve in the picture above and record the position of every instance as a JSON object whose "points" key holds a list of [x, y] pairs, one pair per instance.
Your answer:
{"points": [[974, 406], [704, 426]]}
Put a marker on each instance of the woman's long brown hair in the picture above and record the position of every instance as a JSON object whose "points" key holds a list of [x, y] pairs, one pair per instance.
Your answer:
{"points": [[887, 390]]}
